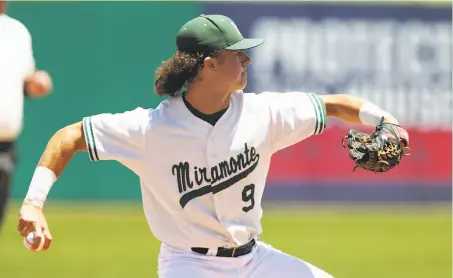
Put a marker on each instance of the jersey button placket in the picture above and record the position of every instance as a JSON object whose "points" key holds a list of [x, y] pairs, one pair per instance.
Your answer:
{"points": [[212, 160]]}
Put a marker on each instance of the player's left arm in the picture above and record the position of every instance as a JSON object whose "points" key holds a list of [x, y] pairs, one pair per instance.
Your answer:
{"points": [[355, 110], [296, 116]]}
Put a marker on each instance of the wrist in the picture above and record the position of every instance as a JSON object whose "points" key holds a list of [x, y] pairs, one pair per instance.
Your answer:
{"points": [[371, 114], [390, 119], [40, 185], [32, 203]]}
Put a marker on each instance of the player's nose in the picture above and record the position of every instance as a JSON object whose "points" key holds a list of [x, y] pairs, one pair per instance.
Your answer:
{"points": [[247, 60]]}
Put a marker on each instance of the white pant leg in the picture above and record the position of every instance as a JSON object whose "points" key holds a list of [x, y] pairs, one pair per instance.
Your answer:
{"points": [[268, 262], [177, 263]]}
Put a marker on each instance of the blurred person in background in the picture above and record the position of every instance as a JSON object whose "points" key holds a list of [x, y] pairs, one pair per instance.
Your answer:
{"points": [[19, 79]]}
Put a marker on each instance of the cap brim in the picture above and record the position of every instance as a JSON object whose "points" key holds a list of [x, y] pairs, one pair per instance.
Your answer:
{"points": [[245, 44]]}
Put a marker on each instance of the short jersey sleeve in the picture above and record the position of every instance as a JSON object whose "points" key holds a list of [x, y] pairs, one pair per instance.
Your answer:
{"points": [[295, 116], [119, 137]]}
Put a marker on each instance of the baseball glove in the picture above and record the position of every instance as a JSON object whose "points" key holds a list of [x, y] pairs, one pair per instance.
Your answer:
{"points": [[379, 151]]}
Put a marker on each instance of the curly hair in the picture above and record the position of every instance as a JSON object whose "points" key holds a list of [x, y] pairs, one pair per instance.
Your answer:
{"points": [[181, 69]]}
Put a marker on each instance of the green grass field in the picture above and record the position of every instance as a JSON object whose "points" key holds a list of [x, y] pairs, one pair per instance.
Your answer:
{"points": [[355, 242]]}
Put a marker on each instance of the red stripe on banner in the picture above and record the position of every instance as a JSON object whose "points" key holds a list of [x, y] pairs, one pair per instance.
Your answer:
{"points": [[322, 158]]}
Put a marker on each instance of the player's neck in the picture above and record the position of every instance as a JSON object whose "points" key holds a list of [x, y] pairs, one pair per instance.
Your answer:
{"points": [[207, 101]]}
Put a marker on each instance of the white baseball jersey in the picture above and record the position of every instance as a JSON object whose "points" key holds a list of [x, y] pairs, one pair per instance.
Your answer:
{"points": [[16, 63], [201, 184]]}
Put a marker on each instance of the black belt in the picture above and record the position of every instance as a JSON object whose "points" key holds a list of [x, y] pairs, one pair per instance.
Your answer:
{"points": [[229, 252]]}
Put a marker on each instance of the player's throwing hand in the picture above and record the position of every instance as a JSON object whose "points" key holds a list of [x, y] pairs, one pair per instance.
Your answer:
{"points": [[32, 220]]}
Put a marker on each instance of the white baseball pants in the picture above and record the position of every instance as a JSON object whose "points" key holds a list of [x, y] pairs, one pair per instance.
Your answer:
{"points": [[263, 262]]}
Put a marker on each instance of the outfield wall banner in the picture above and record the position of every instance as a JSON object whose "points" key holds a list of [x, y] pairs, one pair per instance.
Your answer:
{"points": [[397, 56], [322, 158], [319, 168]]}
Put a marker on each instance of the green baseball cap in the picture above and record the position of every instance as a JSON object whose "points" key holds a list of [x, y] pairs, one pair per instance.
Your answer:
{"points": [[210, 33]]}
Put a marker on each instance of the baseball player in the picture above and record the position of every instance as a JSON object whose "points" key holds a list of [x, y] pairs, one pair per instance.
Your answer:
{"points": [[202, 156], [19, 79]]}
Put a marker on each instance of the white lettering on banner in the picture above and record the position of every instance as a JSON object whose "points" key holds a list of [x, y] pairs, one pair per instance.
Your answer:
{"points": [[403, 66]]}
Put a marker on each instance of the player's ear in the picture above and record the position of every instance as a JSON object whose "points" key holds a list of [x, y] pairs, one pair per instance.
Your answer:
{"points": [[209, 63]]}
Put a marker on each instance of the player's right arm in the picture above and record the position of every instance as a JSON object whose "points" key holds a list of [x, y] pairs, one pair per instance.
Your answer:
{"points": [[62, 146], [56, 156], [117, 137]]}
